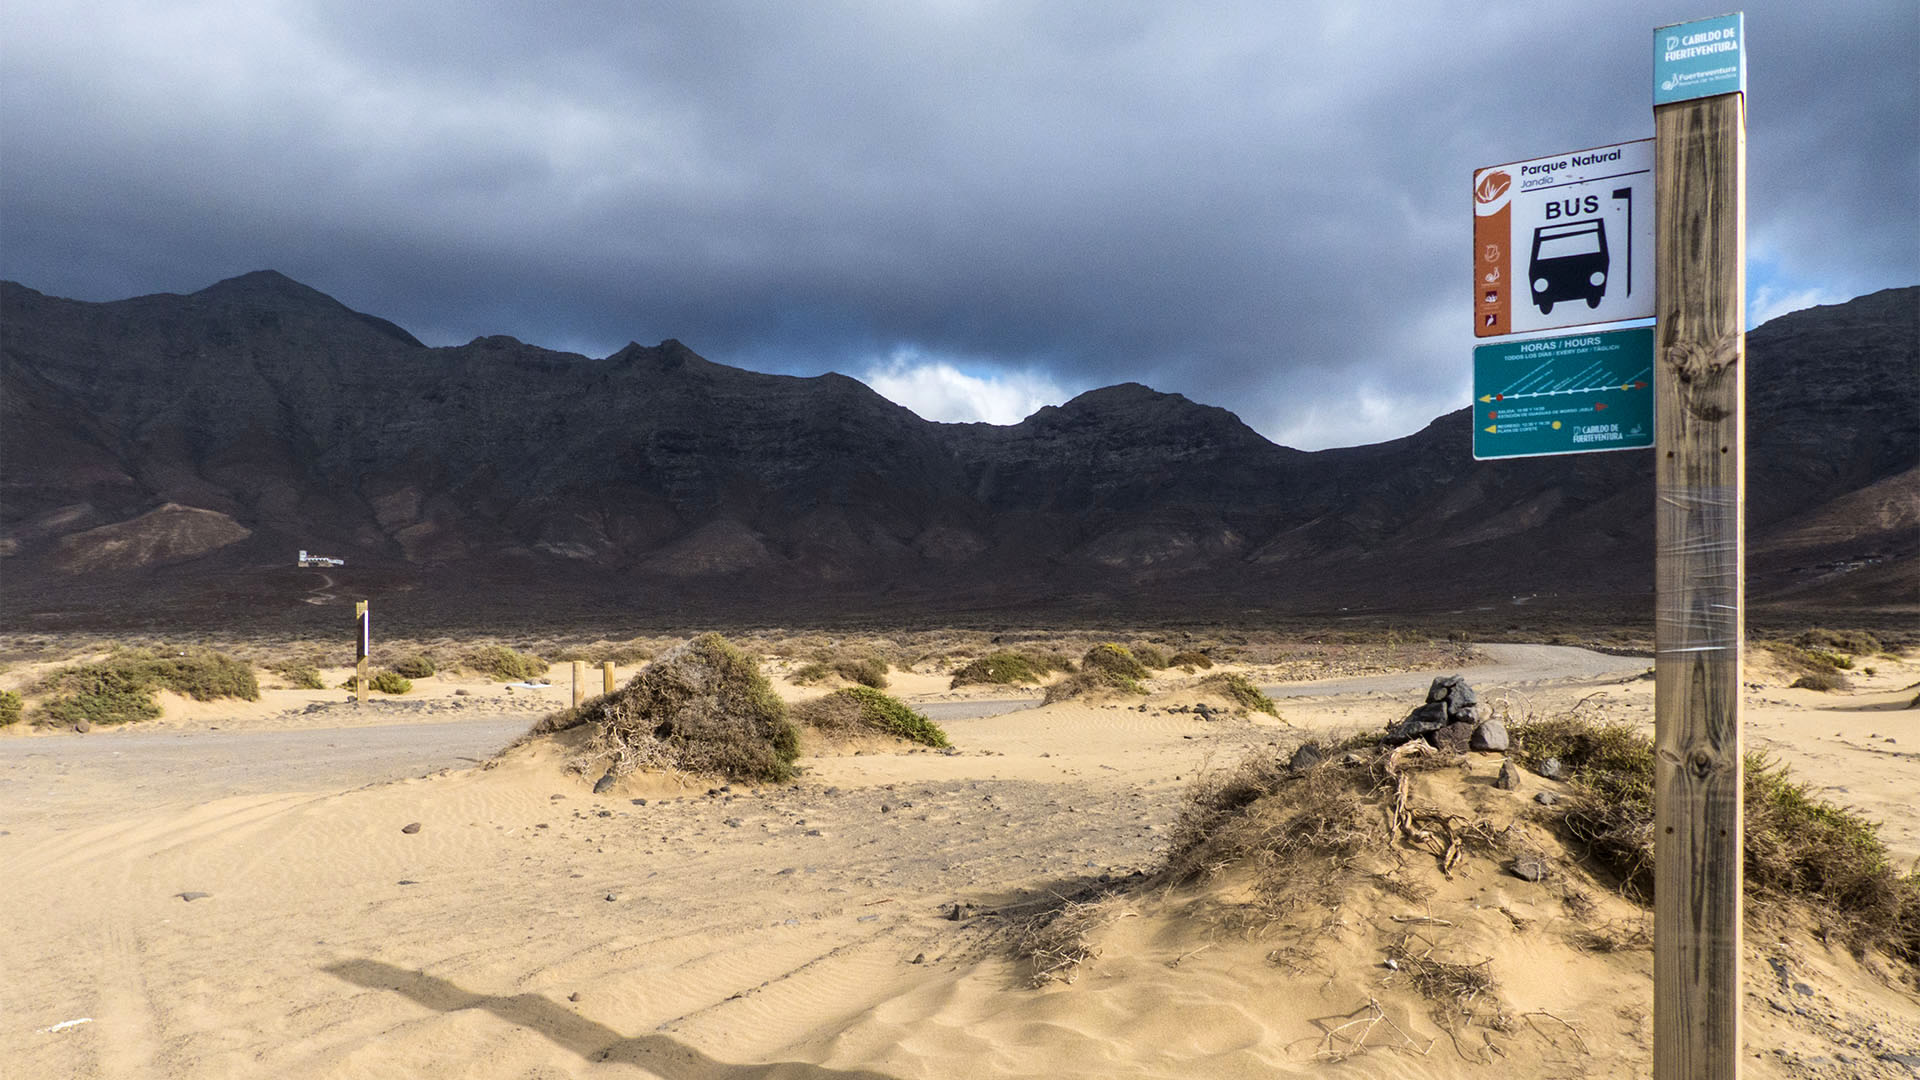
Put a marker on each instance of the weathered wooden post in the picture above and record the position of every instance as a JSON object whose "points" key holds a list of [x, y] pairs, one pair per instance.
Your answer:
{"points": [[606, 671], [1700, 474], [361, 648], [579, 682]]}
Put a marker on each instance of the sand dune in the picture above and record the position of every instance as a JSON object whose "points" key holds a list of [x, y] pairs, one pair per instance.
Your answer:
{"points": [[529, 928]]}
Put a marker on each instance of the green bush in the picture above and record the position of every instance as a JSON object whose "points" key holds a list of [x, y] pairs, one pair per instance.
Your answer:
{"points": [[1113, 659], [1151, 657], [9, 708], [810, 673], [120, 688], [1001, 667], [862, 708], [300, 676], [417, 666], [1240, 690], [390, 682], [1818, 680], [1797, 847], [1857, 642], [1190, 661], [505, 665]]}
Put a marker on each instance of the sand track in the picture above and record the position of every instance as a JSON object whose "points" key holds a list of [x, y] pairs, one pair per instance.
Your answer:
{"points": [[531, 928]]}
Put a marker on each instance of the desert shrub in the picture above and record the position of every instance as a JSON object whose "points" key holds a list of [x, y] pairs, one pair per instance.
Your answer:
{"points": [[1190, 661], [1818, 680], [868, 671], [390, 682], [119, 689], [1151, 657], [703, 706], [417, 666], [1798, 848], [1856, 642], [1000, 667], [503, 664], [1114, 659], [862, 709], [812, 672], [9, 708], [1240, 690], [300, 676]]}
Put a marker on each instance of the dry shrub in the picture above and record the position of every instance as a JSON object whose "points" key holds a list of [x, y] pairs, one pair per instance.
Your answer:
{"points": [[860, 710], [9, 708], [1800, 851], [299, 676], [1059, 938], [1856, 642], [503, 664], [1151, 657], [1240, 690], [1105, 667], [391, 682], [1190, 661], [1113, 659], [702, 707], [119, 689], [1452, 986], [416, 666], [1009, 667]]}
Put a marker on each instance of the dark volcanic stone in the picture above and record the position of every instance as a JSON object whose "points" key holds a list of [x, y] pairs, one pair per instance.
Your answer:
{"points": [[1509, 778], [1306, 757], [1546, 798], [1442, 687], [605, 782], [1490, 736], [1454, 737], [410, 828], [1429, 717], [1552, 769]]}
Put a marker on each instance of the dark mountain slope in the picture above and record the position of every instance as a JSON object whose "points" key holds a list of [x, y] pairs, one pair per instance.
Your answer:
{"points": [[656, 480]]}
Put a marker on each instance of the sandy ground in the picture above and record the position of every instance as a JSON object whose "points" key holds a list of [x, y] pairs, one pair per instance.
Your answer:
{"points": [[231, 893]]}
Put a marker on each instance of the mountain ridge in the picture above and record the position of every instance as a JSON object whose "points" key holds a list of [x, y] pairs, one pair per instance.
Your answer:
{"points": [[669, 479]]}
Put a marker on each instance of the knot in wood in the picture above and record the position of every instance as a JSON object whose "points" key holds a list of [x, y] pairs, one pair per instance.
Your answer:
{"points": [[1700, 761]]}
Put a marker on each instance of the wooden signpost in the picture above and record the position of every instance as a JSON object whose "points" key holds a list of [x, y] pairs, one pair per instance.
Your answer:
{"points": [[579, 682], [362, 645], [1700, 164], [1699, 439], [606, 671]]}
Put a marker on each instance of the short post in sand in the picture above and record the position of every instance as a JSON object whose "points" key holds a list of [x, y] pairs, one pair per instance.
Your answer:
{"points": [[361, 648], [579, 682], [1700, 163], [606, 671]]}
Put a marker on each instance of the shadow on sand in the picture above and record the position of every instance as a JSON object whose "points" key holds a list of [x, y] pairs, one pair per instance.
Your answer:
{"points": [[658, 1053]]}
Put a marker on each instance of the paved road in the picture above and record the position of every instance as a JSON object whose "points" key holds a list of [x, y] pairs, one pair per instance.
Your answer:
{"points": [[129, 768]]}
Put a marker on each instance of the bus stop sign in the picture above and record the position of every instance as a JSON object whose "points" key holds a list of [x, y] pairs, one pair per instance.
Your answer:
{"points": [[1564, 240]]}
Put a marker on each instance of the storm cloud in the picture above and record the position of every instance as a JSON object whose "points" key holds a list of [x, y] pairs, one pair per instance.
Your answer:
{"points": [[974, 206]]}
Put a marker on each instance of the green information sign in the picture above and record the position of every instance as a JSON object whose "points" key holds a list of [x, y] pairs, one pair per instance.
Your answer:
{"points": [[1699, 59], [1563, 395]]}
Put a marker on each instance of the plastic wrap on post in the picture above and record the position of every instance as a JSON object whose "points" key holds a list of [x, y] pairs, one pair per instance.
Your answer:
{"points": [[1699, 527]]}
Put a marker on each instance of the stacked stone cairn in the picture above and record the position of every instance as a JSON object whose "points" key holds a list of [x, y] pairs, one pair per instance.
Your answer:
{"points": [[1452, 719]]}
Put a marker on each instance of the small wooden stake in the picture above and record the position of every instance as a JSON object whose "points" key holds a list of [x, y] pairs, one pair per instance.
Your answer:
{"points": [[363, 632], [579, 682], [1700, 162], [606, 669]]}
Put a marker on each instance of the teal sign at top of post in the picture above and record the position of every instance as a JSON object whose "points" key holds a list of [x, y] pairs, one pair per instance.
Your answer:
{"points": [[1700, 59]]}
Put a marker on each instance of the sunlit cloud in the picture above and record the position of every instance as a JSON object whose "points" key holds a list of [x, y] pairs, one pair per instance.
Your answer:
{"points": [[936, 389]]}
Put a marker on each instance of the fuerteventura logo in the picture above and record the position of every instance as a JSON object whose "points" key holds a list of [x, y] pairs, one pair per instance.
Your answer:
{"points": [[1492, 186]]}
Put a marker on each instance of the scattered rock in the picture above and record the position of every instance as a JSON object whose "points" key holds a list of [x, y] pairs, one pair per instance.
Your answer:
{"points": [[1546, 798], [410, 828], [82, 726], [1552, 769], [1509, 778], [1456, 737], [190, 897], [638, 802], [1306, 757], [918, 958], [732, 823], [406, 881], [1528, 868], [575, 996], [601, 785], [1490, 737], [613, 898], [831, 791], [1429, 717]]}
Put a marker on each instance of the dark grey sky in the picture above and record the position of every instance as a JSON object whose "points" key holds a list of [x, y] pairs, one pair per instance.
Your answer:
{"points": [[978, 207]]}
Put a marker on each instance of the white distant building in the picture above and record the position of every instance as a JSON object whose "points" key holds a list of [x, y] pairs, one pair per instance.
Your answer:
{"points": [[319, 560]]}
